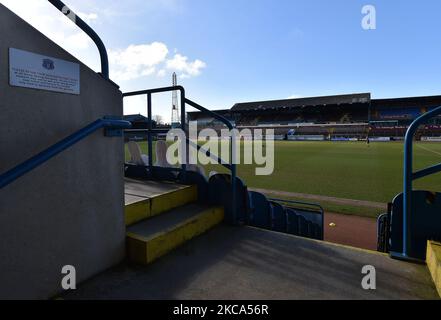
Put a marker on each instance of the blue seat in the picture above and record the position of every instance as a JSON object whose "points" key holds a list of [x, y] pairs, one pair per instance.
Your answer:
{"points": [[260, 210], [219, 192], [165, 174], [195, 178], [303, 226], [425, 222], [310, 215], [317, 232], [292, 219], [310, 229], [309, 222], [278, 219], [134, 171], [383, 232]]}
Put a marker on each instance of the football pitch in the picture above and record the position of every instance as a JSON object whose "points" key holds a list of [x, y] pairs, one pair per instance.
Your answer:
{"points": [[342, 170]]}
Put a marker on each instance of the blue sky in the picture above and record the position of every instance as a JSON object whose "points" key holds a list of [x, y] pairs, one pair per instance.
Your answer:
{"points": [[230, 51]]}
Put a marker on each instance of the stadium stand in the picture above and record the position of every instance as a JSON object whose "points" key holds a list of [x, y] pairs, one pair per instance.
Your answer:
{"points": [[355, 116]]}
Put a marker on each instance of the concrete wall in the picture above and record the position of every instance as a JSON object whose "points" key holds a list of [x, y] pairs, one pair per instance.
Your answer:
{"points": [[70, 210]]}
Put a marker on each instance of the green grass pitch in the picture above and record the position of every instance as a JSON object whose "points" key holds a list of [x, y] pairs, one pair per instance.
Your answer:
{"points": [[350, 170]]}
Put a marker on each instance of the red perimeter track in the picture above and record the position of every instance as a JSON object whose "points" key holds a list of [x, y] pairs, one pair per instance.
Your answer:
{"points": [[353, 231]]}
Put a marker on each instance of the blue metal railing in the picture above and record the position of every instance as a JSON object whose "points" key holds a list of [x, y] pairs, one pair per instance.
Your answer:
{"points": [[89, 31], [150, 130], [410, 176], [37, 160], [230, 165]]}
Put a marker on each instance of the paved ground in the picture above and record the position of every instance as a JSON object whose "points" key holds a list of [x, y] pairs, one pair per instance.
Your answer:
{"points": [[341, 201], [247, 263], [354, 231]]}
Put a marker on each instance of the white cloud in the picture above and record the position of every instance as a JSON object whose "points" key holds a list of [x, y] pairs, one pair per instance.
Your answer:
{"points": [[49, 21], [162, 73], [294, 96], [88, 17], [137, 60], [188, 69], [132, 62]]}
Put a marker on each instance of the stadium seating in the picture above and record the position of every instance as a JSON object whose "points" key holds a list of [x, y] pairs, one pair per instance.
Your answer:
{"points": [[220, 193], [278, 218], [292, 222], [274, 216], [136, 156], [195, 178], [261, 211], [396, 114], [425, 224], [252, 208]]}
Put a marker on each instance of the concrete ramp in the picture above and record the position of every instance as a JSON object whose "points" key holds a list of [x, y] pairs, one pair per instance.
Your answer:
{"points": [[248, 263]]}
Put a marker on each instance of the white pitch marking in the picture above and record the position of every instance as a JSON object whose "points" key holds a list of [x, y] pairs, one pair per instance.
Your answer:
{"points": [[433, 151]]}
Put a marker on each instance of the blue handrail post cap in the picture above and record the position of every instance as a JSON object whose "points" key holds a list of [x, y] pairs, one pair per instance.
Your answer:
{"points": [[35, 71]]}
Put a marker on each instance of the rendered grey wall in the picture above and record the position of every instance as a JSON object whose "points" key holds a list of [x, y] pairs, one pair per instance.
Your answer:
{"points": [[69, 211]]}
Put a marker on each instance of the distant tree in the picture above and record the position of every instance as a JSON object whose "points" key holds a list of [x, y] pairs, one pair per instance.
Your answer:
{"points": [[158, 119]]}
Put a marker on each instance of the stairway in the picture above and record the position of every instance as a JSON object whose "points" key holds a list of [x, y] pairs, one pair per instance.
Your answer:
{"points": [[162, 216]]}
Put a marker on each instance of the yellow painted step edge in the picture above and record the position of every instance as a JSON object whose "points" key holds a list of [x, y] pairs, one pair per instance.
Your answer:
{"points": [[434, 263], [151, 207], [146, 250]]}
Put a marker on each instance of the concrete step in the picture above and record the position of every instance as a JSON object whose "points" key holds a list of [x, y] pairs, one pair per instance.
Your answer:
{"points": [[434, 263], [150, 239], [146, 199]]}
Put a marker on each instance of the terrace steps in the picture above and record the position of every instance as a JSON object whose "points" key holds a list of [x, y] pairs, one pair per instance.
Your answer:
{"points": [[162, 216], [145, 200]]}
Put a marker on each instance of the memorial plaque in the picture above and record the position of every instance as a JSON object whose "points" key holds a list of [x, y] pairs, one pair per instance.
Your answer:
{"points": [[35, 71]]}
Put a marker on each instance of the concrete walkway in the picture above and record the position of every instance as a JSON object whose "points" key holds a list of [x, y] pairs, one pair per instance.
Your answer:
{"points": [[248, 263]]}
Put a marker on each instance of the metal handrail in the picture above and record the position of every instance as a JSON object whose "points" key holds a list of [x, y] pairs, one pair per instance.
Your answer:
{"points": [[209, 154], [185, 101], [150, 129], [232, 168], [37, 160], [89, 31], [410, 176], [211, 113]]}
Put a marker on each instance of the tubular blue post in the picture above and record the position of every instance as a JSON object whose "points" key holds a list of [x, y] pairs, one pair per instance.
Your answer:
{"points": [[184, 128], [89, 31], [233, 175], [37, 160], [408, 179], [407, 185], [149, 133], [427, 172], [209, 154], [185, 101], [232, 145]]}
